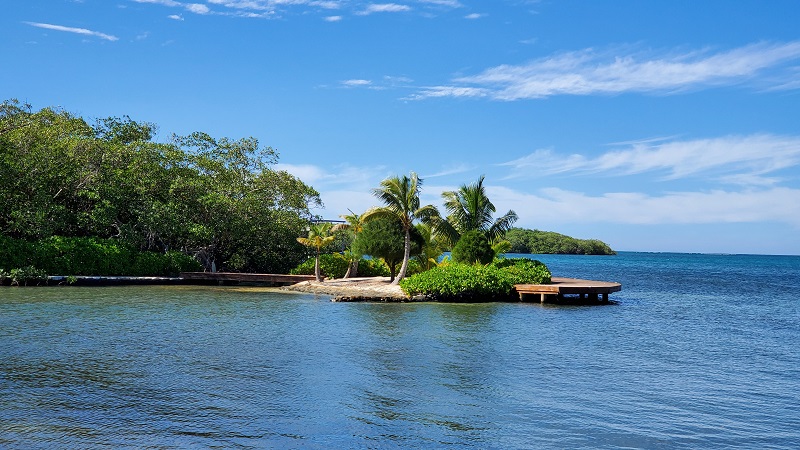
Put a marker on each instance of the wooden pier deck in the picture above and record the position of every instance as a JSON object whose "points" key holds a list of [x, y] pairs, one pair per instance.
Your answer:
{"points": [[232, 278], [581, 291]]}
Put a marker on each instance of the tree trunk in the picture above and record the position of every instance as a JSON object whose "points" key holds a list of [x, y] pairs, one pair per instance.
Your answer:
{"points": [[352, 269], [316, 268], [406, 257]]}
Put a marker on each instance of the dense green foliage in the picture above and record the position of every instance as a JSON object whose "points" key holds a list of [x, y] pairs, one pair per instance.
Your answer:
{"points": [[464, 282], [216, 199], [524, 270], [23, 276], [334, 265], [473, 247], [460, 282], [384, 237], [90, 256], [536, 241]]}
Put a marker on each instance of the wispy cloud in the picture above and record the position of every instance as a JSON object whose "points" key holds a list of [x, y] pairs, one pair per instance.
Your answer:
{"points": [[751, 159], [346, 187], [557, 206], [615, 71], [473, 16], [451, 170], [161, 2], [384, 83], [448, 3], [277, 8], [373, 8], [356, 83], [82, 31], [175, 17]]}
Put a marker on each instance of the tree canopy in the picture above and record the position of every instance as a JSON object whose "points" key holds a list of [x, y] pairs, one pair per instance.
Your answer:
{"points": [[384, 237], [216, 198]]}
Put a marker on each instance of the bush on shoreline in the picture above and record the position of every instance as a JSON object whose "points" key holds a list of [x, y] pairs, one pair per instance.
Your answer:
{"points": [[476, 283], [23, 276], [90, 256], [334, 265]]}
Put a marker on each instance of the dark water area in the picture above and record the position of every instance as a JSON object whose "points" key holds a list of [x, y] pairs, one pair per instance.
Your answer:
{"points": [[700, 351]]}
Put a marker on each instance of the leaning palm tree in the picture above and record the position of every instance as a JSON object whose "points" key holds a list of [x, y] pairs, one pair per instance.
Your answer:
{"points": [[400, 196], [354, 224], [469, 209], [319, 236]]}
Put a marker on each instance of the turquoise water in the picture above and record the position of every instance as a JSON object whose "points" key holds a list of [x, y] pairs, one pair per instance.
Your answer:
{"points": [[701, 351]]}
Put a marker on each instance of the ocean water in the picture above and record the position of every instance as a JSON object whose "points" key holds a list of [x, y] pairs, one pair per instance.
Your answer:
{"points": [[700, 351]]}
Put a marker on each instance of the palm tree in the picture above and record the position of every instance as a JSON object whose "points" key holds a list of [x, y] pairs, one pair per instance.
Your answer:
{"points": [[400, 196], [469, 209], [354, 223], [319, 236]]}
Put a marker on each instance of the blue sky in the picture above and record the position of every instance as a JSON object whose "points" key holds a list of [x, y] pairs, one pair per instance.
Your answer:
{"points": [[653, 126]]}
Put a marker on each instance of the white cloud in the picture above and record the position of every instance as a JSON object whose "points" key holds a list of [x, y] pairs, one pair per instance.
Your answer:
{"points": [[198, 8], [557, 206], [310, 174], [450, 170], [274, 8], [327, 4], [383, 7], [450, 91], [733, 159], [356, 83], [82, 31], [346, 187], [615, 71], [342, 187], [450, 3], [160, 2], [175, 17], [473, 16]]}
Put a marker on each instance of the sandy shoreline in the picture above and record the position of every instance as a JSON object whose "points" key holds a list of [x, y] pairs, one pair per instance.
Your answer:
{"points": [[372, 289]]}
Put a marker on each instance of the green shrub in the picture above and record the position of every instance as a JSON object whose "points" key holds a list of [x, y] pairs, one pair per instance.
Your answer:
{"points": [[464, 282], [460, 282], [331, 265], [24, 276], [91, 256], [524, 270], [472, 247], [372, 268], [334, 265]]}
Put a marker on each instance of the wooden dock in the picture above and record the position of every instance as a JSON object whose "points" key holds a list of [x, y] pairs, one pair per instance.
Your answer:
{"points": [[569, 290], [235, 278]]}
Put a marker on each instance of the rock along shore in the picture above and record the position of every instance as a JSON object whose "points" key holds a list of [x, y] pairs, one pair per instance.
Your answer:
{"points": [[361, 289]]}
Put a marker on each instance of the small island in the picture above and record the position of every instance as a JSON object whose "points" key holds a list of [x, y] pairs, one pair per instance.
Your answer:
{"points": [[527, 241]]}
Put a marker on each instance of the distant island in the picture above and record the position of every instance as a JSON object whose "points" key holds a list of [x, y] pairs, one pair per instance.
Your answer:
{"points": [[536, 241]]}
